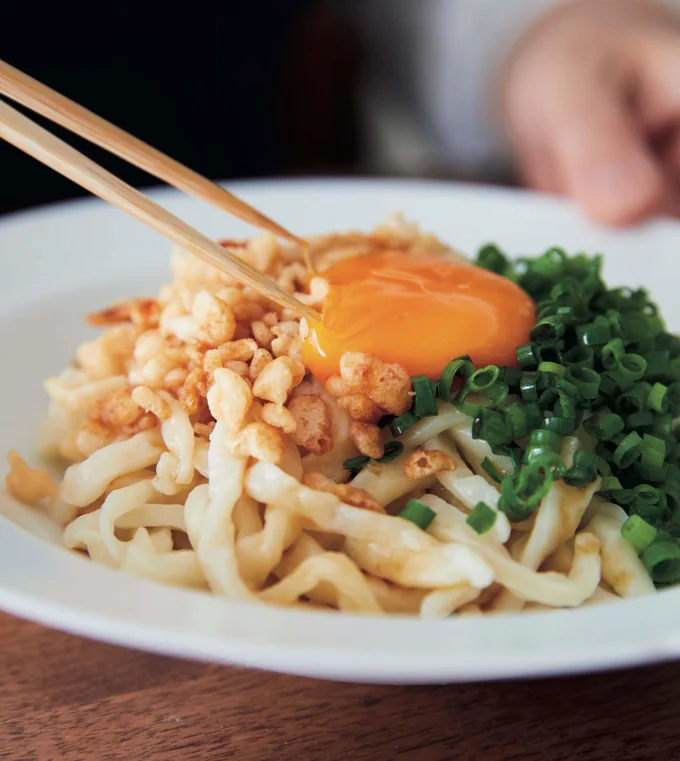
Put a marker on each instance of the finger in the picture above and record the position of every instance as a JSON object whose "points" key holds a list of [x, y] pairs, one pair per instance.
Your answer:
{"points": [[602, 155], [670, 204], [537, 168], [670, 154]]}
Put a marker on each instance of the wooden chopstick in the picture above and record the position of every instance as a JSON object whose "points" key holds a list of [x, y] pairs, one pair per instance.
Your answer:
{"points": [[60, 109], [55, 153]]}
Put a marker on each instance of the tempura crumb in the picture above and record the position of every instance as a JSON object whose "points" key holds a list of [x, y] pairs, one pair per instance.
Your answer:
{"points": [[350, 495], [28, 484]]}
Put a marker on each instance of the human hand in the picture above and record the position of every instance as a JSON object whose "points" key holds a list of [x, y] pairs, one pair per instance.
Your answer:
{"points": [[591, 99]]}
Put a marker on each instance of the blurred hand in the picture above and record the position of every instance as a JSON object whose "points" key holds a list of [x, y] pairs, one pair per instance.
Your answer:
{"points": [[591, 98]]}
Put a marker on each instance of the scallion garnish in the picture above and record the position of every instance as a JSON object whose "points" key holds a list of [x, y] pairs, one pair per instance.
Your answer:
{"points": [[481, 518], [483, 379], [638, 532], [583, 471], [491, 471], [662, 560], [628, 450], [657, 397], [598, 362], [419, 513], [457, 368], [604, 425], [425, 401], [356, 463], [526, 357], [403, 423], [523, 492], [392, 450], [653, 451]]}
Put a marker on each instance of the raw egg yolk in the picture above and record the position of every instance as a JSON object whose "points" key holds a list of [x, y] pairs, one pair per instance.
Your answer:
{"points": [[419, 312]]}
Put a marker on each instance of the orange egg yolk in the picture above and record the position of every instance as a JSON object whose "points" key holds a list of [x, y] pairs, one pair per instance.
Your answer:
{"points": [[419, 312]]}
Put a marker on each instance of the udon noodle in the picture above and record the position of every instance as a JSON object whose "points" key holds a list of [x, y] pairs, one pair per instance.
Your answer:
{"points": [[202, 454]]}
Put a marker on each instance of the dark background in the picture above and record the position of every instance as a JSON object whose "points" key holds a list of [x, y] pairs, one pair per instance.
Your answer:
{"points": [[236, 89]]}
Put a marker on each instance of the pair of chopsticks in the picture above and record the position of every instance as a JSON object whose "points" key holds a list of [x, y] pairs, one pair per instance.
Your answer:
{"points": [[31, 138]]}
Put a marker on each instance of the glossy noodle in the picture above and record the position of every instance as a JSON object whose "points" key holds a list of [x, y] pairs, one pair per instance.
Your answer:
{"points": [[204, 454]]}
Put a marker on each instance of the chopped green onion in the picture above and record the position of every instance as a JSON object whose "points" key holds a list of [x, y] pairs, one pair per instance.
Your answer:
{"points": [[638, 532], [631, 367], [603, 467], [527, 386], [549, 353], [612, 353], [511, 375], [640, 419], [523, 492], [425, 404], [653, 451], [579, 356], [650, 503], [673, 397], [356, 463], [662, 560], [526, 357], [491, 258], [662, 426], [633, 399], [392, 450], [481, 518], [593, 334], [490, 469], [541, 442], [583, 471], [489, 425], [671, 488], [634, 326], [587, 381], [516, 420], [497, 392], [461, 367], [548, 330], [564, 426], [629, 450], [552, 367], [657, 397], [403, 423], [483, 379], [652, 474], [609, 484], [604, 425], [513, 452], [657, 365], [419, 513], [599, 361]]}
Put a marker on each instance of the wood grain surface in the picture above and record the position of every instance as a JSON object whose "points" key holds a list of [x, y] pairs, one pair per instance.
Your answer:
{"points": [[68, 699]]}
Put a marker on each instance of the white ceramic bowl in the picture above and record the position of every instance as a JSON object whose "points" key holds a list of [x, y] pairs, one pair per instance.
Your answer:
{"points": [[60, 262]]}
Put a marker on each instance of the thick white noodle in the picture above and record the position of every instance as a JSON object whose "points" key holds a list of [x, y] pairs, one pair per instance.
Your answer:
{"points": [[387, 483], [546, 588], [448, 416], [557, 519], [178, 436], [443, 602], [622, 568], [468, 488], [208, 515], [86, 481], [386, 546]]}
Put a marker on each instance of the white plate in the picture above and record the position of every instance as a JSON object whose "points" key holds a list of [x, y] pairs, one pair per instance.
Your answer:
{"points": [[60, 262]]}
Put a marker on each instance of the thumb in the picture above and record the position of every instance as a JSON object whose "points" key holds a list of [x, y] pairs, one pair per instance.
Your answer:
{"points": [[602, 156]]}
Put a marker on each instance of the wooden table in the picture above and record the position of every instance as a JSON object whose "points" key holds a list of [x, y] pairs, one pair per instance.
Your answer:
{"points": [[67, 699]]}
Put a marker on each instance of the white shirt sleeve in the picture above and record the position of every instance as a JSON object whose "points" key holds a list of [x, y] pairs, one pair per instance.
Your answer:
{"points": [[430, 96], [430, 99]]}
